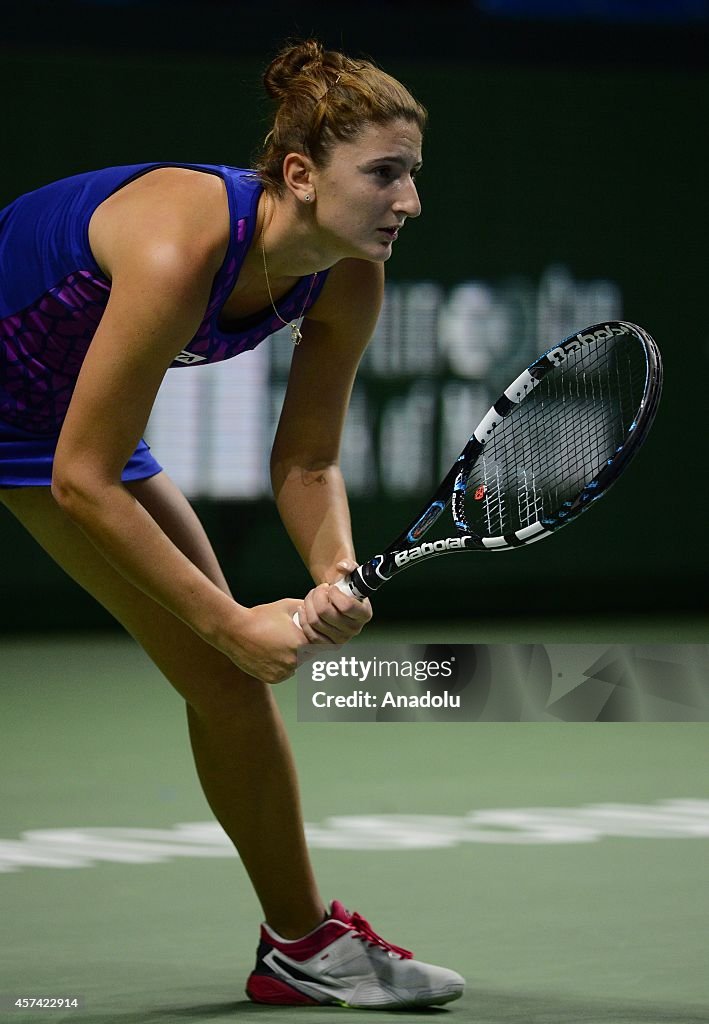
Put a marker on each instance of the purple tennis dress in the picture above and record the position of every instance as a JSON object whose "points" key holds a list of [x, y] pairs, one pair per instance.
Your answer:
{"points": [[53, 294]]}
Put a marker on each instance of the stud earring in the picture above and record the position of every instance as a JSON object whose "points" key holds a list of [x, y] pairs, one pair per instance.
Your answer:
{"points": [[308, 198]]}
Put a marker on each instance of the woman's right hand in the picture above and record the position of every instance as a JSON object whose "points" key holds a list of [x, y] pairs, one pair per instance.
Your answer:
{"points": [[266, 641]]}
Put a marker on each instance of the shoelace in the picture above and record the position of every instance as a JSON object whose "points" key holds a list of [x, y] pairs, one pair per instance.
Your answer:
{"points": [[365, 932]]}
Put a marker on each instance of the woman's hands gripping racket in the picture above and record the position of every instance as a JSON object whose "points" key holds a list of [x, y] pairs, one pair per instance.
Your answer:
{"points": [[552, 444]]}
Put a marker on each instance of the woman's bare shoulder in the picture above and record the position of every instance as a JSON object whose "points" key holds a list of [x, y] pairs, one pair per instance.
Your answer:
{"points": [[169, 207]]}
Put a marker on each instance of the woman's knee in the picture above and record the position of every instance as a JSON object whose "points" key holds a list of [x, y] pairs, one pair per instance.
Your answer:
{"points": [[213, 687]]}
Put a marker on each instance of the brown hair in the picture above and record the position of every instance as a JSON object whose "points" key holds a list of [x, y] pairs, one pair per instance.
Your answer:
{"points": [[324, 96]]}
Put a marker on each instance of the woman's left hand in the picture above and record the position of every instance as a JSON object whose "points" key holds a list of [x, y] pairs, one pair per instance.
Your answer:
{"points": [[329, 616]]}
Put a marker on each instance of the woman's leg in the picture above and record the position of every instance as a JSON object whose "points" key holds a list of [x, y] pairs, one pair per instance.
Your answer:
{"points": [[240, 747]]}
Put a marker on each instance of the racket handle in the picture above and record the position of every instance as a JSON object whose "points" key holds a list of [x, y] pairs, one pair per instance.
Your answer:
{"points": [[345, 585]]}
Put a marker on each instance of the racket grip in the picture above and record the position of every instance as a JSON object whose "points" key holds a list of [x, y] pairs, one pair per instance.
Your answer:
{"points": [[343, 584]]}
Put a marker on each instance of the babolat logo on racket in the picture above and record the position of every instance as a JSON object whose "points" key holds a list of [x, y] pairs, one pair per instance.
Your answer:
{"points": [[574, 343], [430, 547]]}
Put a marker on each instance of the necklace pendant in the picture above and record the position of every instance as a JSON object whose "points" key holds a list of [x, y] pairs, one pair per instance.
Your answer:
{"points": [[296, 336]]}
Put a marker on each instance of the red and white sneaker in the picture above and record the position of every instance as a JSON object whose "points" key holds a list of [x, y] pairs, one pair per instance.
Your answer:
{"points": [[344, 962]]}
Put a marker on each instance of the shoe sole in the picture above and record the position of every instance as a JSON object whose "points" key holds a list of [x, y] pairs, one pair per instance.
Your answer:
{"points": [[274, 992]]}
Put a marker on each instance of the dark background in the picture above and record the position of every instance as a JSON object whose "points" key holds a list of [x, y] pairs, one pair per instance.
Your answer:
{"points": [[554, 139]]}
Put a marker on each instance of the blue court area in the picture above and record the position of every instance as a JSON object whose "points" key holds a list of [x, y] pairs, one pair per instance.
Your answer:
{"points": [[562, 868]]}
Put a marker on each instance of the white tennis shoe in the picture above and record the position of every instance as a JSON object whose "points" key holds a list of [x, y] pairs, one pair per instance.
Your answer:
{"points": [[344, 962]]}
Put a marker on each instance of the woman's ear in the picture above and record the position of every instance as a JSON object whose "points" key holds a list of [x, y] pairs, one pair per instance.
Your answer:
{"points": [[298, 174]]}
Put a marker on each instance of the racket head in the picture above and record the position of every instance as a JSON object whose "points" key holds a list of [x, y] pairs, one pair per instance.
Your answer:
{"points": [[559, 436], [549, 447]]}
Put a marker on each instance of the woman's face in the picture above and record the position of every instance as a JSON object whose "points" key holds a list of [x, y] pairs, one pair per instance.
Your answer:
{"points": [[366, 191]]}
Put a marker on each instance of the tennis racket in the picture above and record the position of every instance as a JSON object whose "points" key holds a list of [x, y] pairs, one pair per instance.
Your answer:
{"points": [[548, 448]]}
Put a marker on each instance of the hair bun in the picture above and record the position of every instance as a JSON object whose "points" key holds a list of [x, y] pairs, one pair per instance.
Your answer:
{"points": [[289, 64], [323, 97]]}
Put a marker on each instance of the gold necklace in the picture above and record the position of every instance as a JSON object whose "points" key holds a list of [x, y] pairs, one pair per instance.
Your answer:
{"points": [[296, 335]]}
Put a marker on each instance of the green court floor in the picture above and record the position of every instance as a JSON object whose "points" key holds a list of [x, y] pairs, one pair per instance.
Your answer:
{"points": [[553, 929]]}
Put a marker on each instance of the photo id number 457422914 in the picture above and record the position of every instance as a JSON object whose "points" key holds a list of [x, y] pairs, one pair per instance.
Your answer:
{"points": [[67, 1002]]}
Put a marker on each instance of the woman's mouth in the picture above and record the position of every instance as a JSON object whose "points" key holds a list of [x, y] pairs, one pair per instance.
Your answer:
{"points": [[393, 233]]}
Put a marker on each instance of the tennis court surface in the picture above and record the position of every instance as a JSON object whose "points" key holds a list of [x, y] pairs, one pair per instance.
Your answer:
{"points": [[562, 868]]}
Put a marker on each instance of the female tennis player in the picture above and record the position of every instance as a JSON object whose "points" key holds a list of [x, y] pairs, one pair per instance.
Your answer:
{"points": [[107, 280]]}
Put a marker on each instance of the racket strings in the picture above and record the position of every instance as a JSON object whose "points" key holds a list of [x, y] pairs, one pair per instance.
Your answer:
{"points": [[530, 500], [555, 443], [494, 494]]}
